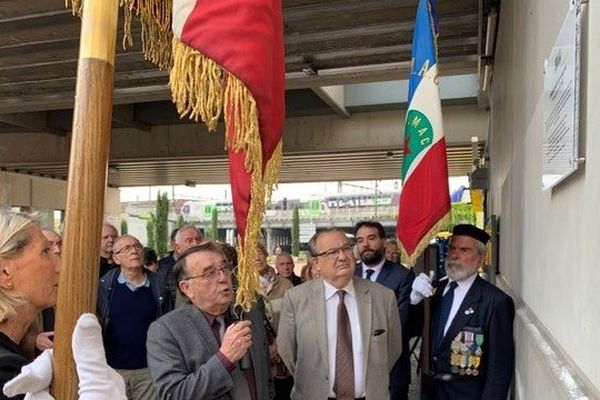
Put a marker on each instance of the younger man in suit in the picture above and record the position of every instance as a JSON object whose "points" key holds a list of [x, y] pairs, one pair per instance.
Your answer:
{"points": [[339, 335], [370, 241]]}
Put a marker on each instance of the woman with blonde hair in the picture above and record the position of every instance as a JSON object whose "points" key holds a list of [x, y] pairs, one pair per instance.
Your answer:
{"points": [[28, 284]]}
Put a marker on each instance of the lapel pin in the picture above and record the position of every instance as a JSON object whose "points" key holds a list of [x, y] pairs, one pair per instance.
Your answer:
{"points": [[469, 311]]}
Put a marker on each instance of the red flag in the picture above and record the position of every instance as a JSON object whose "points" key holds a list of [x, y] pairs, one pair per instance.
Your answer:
{"points": [[228, 59]]}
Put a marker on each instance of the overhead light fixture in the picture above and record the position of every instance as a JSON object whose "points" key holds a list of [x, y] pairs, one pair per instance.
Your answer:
{"points": [[190, 183]]}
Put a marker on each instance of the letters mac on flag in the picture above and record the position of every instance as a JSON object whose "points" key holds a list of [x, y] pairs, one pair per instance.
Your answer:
{"points": [[424, 200]]}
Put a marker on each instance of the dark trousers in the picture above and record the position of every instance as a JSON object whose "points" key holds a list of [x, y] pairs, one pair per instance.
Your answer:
{"points": [[399, 392], [283, 388]]}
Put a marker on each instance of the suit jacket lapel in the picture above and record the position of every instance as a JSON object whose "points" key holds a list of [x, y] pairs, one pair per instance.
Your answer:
{"points": [[319, 328], [461, 318], [201, 325], [386, 269], [365, 313], [359, 270]]}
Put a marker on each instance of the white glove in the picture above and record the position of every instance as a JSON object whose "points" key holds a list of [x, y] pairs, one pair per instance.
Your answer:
{"points": [[34, 379], [97, 381], [421, 288]]}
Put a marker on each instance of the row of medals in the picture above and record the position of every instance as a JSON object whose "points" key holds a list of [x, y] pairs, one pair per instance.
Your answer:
{"points": [[466, 353]]}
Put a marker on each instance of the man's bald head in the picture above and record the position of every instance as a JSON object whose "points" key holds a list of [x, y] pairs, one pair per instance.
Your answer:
{"points": [[284, 264]]}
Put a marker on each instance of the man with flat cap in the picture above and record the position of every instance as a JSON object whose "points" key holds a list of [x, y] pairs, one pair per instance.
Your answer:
{"points": [[472, 347]]}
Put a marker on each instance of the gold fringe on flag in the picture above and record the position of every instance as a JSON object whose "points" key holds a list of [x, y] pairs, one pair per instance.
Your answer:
{"points": [[424, 242], [203, 90], [76, 6], [155, 17]]}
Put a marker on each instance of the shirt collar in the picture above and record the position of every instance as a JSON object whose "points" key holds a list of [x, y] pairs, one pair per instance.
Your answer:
{"points": [[331, 290], [465, 283], [121, 279], [374, 267]]}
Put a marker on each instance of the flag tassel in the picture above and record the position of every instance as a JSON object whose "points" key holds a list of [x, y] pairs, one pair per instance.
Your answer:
{"points": [[411, 259], [203, 90]]}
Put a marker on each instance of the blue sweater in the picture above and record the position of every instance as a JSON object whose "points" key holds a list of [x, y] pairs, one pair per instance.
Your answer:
{"points": [[131, 313]]}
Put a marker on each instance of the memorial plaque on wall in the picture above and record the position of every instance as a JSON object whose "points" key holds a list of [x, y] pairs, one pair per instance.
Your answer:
{"points": [[560, 152]]}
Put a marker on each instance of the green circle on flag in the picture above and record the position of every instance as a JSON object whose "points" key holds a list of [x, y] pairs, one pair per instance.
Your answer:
{"points": [[418, 135]]}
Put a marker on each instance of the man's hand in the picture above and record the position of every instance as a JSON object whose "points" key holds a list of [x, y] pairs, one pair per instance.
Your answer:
{"points": [[236, 341], [43, 341], [421, 288]]}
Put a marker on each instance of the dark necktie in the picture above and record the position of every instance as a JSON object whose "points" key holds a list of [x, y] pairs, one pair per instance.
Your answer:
{"points": [[445, 306], [369, 272], [344, 362], [218, 327]]}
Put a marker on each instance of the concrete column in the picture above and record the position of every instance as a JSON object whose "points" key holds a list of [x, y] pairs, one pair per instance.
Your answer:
{"points": [[4, 190], [269, 243], [229, 237]]}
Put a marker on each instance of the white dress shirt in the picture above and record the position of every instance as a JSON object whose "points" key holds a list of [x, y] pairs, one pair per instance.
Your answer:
{"points": [[459, 295], [376, 270], [331, 304]]}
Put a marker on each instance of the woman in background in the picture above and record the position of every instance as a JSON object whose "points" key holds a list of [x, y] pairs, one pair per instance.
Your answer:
{"points": [[28, 284]]}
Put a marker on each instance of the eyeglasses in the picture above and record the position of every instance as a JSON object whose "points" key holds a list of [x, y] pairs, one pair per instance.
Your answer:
{"points": [[347, 248], [211, 274], [137, 247]]}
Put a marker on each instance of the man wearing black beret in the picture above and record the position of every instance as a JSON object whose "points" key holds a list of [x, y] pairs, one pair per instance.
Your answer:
{"points": [[472, 347]]}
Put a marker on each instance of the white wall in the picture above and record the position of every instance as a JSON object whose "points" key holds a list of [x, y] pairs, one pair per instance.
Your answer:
{"points": [[45, 194], [550, 247]]}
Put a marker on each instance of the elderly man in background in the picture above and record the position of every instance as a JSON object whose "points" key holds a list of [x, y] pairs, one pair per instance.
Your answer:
{"points": [[273, 287], [107, 240], [472, 346], [339, 335], [198, 351], [130, 298], [391, 251], [284, 264], [185, 238]]}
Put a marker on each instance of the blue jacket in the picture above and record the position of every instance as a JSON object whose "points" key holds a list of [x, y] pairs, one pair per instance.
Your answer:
{"points": [[105, 293], [399, 279]]}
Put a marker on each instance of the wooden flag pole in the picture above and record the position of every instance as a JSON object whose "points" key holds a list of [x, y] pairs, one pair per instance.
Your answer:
{"points": [[426, 342], [86, 186]]}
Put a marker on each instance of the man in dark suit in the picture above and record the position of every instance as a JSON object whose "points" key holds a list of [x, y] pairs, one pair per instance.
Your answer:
{"points": [[472, 343], [197, 351], [370, 240]]}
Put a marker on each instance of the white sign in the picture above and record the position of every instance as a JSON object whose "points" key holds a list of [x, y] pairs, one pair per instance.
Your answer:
{"points": [[307, 230], [560, 152]]}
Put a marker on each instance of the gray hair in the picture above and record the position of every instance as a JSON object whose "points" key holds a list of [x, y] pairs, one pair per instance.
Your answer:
{"points": [[312, 243], [480, 247], [13, 239], [185, 228]]}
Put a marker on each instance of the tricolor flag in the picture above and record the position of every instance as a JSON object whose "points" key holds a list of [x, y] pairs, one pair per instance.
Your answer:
{"points": [[424, 200], [228, 60]]}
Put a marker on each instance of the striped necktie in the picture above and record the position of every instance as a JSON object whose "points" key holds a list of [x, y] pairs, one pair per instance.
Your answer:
{"points": [[344, 361]]}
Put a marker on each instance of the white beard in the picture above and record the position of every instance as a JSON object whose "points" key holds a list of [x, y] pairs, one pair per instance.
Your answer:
{"points": [[456, 271]]}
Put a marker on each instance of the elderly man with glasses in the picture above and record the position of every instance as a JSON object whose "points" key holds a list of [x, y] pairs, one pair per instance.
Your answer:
{"points": [[339, 335], [130, 298], [199, 351]]}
